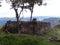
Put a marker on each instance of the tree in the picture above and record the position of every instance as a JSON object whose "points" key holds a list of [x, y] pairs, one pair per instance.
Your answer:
{"points": [[15, 5], [30, 5], [24, 4]]}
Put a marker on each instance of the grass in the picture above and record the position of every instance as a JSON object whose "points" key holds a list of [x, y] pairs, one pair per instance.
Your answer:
{"points": [[0, 27], [25, 39]]}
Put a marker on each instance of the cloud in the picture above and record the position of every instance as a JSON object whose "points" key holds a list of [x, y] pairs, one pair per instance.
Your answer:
{"points": [[51, 9]]}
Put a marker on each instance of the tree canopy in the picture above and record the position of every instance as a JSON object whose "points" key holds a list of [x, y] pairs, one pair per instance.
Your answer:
{"points": [[25, 4], [20, 3]]}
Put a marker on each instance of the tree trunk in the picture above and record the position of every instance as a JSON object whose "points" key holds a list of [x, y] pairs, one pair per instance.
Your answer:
{"points": [[31, 13], [17, 18]]}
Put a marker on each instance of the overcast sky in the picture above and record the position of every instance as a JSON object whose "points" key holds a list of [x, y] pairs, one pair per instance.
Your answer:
{"points": [[51, 9]]}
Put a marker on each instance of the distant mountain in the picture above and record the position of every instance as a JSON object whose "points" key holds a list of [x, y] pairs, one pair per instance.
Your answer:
{"points": [[5, 19], [53, 20], [39, 18]]}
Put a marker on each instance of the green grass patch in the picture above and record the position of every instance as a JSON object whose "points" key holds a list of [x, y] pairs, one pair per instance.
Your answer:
{"points": [[16, 39], [25, 39], [1, 27]]}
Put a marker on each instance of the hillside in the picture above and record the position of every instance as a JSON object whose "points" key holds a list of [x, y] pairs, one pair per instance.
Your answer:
{"points": [[53, 21], [5, 19]]}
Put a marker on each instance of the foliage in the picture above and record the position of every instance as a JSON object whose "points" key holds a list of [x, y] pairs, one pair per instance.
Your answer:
{"points": [[24, 4], [19, 3]]}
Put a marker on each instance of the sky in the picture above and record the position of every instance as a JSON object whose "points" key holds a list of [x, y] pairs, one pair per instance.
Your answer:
{"points": [[52, 9]]}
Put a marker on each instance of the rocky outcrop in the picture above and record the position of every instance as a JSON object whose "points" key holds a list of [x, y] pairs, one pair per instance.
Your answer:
{"points": [[27, 27]]}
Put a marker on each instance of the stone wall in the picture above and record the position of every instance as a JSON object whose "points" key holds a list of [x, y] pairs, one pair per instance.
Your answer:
{"points": [[27, 27]]}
